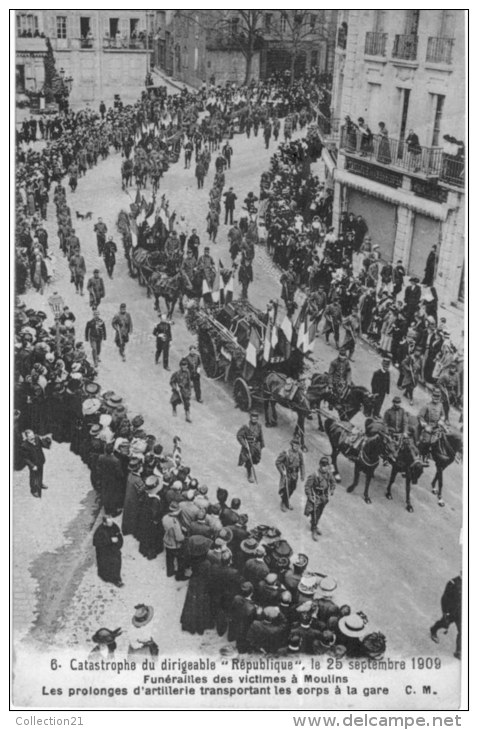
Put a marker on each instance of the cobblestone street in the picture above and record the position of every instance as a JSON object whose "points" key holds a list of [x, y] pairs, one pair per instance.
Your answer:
{"points": [[379, 553]]}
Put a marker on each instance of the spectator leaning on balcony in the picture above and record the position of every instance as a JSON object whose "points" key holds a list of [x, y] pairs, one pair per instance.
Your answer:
{"points": [[383, 153], [413, 145], [364, 138]]}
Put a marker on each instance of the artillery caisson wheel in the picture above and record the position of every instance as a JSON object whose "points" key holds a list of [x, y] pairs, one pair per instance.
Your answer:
{"points": [[209, 356], [242, 394]]}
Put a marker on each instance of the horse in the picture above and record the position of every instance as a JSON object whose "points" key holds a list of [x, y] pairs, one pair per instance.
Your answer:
{"points": [[347, 404], [444, 451], [172, 289], [408, 463], [278, 389], [364, 450]]}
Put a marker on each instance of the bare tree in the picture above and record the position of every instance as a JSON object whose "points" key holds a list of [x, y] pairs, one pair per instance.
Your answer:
{"points": [[249, 36], [296, 29]]}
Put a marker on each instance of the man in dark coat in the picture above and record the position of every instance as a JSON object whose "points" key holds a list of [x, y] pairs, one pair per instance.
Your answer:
{"points": [[96, 287], [380, 386], [134, 488], [108, 541], [111, 482], [109, 254], [252, 442], [412, 298], [451, 610], [242, 614], [229, 203], [123, 327], [32, 455], [270, 634], [100, 229], [163, 335], [95, 334], [255, 569], [430, 267]]}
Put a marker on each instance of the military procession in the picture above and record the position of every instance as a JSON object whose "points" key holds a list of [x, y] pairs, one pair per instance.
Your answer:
{"points": [[186, 321]]}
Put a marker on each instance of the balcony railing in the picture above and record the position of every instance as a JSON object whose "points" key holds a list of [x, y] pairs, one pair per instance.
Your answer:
{"points": [[405, 47], [439, 50], [87, 42], [428, 161], [375, 44], [127, 43]]}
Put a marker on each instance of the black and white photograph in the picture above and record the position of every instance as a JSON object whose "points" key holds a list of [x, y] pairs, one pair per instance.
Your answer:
{"points": [[239, 360]]}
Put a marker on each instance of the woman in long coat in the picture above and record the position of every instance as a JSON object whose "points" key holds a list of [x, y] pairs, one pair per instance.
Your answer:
{"points": [[196, 615], [150, 513], [108, 542]]}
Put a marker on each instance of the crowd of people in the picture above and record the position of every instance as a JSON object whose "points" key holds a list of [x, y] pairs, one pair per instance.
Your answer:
{"points": [[242, 581], [349, 288]]}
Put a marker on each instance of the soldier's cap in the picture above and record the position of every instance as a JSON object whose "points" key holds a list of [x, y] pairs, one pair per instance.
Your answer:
{"points": [[397, 399], [436, 393], [324, 461], [122, 306], [96, 271], [295, 441], [254, 414]]}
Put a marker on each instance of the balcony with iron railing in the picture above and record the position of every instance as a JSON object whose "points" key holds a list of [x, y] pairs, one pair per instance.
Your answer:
{"points": [[405, 47], [375, 44], [424, 162], [127, 43], [439, 50]]}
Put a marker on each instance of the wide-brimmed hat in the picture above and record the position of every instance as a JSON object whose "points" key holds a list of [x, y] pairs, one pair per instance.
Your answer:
{"points": [[95, 429], [142, 615], [327, 585], [106, 636], [134, 462], [174, 508], [114, 400], [199, 545], [249, 546], [225, 534], [353, 625], [90, 406], [121, 444], [307, 585], [300, 560], [151, 482], [91, 388], [105, 419]]}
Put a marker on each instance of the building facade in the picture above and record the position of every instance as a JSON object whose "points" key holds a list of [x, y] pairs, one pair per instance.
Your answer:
{"points": [[405, 69], [103, 51]]}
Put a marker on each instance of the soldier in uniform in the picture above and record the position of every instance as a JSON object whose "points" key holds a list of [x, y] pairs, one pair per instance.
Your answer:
{"points": [[290, 465], [194, 365], [431, 419], [207, 266], [96, 287], [109, 255], [180, 383], [333, 318], [95, 334], [123, 327], [252, 442], [340, 372], [449, 385], [101, 230], [163, 335], [396, 419], [318, 488]]}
